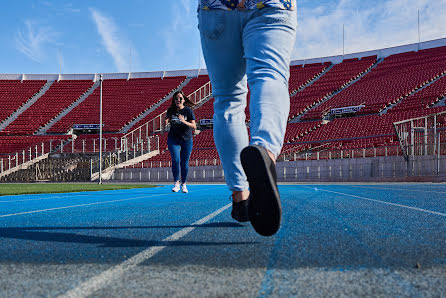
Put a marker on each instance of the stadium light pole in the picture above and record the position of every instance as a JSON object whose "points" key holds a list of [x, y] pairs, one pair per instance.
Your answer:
{"points": [[199, 59], [100, 130], [60, 60], [130, 59], [343, 41], [419, 38]]}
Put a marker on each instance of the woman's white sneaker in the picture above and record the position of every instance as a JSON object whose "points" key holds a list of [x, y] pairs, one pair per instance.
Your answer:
{"points": [[184, 188], [176, 188]]}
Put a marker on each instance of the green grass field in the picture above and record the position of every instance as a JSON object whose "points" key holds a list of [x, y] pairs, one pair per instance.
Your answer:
{"points": [[20, 189]]}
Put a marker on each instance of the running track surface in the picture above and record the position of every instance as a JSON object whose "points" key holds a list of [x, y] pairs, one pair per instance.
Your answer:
{"points": [[335, 240]]}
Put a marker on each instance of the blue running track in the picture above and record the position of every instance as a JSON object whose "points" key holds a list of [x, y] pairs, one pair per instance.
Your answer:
{"points": [[335, 240]]}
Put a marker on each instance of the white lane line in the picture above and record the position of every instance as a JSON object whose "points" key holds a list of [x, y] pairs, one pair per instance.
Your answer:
{"points": [[97, 282], [68, 196], [74, 206], [44, 195], [39, 199], [90, 204], [378, 201], [398, 189]]}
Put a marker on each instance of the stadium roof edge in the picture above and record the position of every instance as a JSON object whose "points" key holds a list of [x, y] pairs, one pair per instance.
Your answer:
{"points": [[381, 53]]}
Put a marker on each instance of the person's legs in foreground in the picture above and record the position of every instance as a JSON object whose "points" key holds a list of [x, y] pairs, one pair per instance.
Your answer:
{"points": [[223, 51], [260, 43], [268, 40], [186, 150], [174, 150]]}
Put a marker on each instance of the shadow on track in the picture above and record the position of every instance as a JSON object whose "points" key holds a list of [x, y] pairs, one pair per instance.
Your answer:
{"points": [[45, 234]]}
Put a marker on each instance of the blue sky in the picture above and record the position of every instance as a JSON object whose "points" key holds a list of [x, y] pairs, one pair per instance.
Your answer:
{"points": [[80, 36]]}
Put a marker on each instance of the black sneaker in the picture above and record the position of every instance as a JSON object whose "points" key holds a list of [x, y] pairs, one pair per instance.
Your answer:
{"points": [[265, 210], [240, 211]]}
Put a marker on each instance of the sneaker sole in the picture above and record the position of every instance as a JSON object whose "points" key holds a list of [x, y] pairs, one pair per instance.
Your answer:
{"points": [[265, 210]]}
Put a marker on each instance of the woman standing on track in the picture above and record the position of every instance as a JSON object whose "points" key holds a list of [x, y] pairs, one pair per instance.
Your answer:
{"points": [[179, 141]]}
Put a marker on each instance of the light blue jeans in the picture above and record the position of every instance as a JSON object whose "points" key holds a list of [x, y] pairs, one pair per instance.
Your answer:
{"points": [[180, 152], [251, 47]]}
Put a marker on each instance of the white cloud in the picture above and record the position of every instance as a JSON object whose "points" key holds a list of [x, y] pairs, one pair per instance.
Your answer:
{"points": [[368, 25], [187, 5], [182, 15], [114, 43], [32, 39]]}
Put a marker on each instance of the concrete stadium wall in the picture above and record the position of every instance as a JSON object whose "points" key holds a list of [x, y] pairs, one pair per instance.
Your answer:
{"points": [[371, 169]]}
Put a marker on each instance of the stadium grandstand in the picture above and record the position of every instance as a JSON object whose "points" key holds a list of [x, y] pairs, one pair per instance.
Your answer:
{"points": [[372, 116]]}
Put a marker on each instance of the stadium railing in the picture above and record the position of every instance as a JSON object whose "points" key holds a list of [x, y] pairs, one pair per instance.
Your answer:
{"points": [[422, 135], [31, 154]]}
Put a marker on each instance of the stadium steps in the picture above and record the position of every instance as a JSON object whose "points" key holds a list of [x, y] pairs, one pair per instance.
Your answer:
{"points": [[61, 168], [43, 130], [30, 102], [107, 173], [414, 92], [52, 167], [5, 174], [129, 125], [298, 118], [311, 82]]}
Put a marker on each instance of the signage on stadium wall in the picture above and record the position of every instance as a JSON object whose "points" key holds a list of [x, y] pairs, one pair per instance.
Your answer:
{"points": [[206, 123], [86, 126], [346, 110]]}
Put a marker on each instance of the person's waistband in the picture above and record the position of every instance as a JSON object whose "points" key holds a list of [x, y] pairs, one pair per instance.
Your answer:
{"points": [[246, 4]]}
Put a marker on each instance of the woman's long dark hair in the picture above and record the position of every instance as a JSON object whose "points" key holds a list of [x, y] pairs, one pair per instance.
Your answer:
{"points": [[173, 107]]}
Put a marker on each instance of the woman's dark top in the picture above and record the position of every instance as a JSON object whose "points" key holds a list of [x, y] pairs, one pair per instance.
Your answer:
{"points": [[180, 131]]}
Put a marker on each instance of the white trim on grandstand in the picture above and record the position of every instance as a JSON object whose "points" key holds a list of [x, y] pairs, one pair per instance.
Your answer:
{"points": [[106, 76], [381, 53]]}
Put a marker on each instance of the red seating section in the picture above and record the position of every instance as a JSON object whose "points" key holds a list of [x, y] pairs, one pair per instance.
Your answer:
{"points": [[57, 98], [303, 74], [204, 139], [343, 128], [206, 111], [14, 93], [123, 100], [294, 131], [424, 99], [334, 80], [394, 78]]}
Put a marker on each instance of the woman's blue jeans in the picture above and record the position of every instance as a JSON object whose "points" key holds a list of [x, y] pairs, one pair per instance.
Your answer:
{"points": [[251, 47], [180, 151]]}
